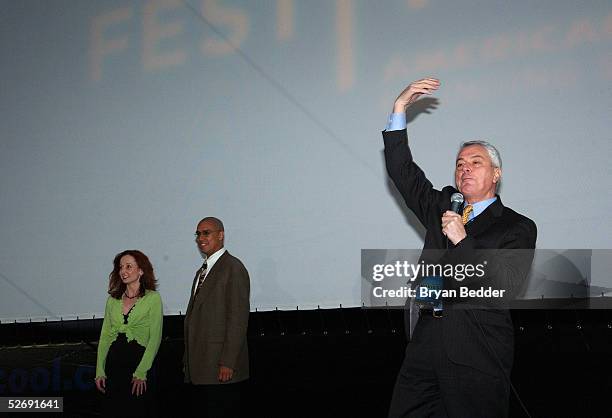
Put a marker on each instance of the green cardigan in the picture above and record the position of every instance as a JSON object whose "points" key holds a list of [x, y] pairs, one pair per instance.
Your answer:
{"points": [[144, 325]]}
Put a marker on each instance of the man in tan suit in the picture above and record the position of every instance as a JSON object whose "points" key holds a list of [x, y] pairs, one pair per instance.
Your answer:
{"points": [[216, 360]]}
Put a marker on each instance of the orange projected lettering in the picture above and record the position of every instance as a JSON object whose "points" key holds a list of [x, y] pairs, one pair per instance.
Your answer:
{"points": [[220, 16], [228, 30], [547, 39], [284, 17], [344, 23], [101, 47], [154, 31]]}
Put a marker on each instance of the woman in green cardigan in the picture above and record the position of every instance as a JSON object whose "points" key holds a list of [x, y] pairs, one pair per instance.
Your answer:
{"points": [[131, 335]]}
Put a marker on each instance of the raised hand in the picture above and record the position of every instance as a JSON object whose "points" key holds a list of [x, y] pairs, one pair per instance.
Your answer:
{"points": [[415, 90]]}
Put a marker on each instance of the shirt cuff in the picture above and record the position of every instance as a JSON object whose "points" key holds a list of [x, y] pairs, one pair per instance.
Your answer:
{"points": [[396, 122]]}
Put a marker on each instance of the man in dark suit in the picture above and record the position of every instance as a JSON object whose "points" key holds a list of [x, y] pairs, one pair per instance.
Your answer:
{"points": [[216, 360], [458, 361]]}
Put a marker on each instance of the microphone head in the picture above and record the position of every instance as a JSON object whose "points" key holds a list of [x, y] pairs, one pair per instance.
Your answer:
{"points": [[456, 202], [457, 197]]}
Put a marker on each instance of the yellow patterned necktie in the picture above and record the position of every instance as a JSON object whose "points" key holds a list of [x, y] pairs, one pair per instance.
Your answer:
{"points": [[466, 213]]}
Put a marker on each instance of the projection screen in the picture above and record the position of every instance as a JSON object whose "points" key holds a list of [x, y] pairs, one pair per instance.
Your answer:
{"points": [[126, 122]]}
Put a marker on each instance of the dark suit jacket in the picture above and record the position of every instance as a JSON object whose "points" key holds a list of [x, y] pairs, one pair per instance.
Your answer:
{"points": [[469, 335], [216, 322]]}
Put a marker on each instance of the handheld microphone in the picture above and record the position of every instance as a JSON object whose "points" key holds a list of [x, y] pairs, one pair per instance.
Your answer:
{"points": [[456, 202]]}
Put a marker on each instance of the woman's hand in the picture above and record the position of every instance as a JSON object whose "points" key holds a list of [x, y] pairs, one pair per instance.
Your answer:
{"points": [[138, 386], [101, 384]]}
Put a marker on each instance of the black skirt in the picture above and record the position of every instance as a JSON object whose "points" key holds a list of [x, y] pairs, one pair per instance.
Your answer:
{"points": [[121, 362]]}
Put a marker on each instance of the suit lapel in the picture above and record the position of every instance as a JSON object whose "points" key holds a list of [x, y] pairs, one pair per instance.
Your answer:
{"points": [[191, 295], [487, 218], [212, 276]]}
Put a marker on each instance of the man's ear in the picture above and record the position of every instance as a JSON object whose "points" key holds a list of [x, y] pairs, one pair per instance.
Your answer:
{"points": [[496, 174], [222, 235]]}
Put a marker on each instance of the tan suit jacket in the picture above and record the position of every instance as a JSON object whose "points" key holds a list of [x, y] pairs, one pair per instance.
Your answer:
{"points": [[216, 322]]}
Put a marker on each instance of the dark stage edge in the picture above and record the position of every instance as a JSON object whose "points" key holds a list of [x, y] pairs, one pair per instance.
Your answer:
{"points": [[320, 363]]}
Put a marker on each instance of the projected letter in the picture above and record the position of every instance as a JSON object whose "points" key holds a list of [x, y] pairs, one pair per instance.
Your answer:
{"points": [[101, 47], [155, 31], [219, 16], [284, 20], [344, 24]]}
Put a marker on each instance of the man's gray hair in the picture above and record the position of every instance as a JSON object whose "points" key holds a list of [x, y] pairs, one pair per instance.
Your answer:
{"points": [[493, 152]]}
